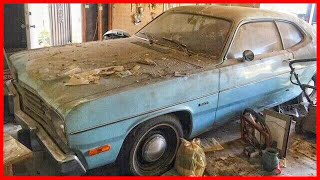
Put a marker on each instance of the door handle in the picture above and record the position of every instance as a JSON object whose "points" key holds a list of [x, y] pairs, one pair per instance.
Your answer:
{"points": [[33, 26]]}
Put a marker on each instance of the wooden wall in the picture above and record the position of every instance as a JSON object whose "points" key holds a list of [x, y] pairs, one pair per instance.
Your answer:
{"points": [[122, 15]]}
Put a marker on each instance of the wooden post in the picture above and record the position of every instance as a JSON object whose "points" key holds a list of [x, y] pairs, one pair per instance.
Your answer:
{"points": [[110, 16], [84, 23], [100, 22]]}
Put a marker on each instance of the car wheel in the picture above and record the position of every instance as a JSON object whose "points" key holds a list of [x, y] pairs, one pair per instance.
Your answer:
{"points": [[150, 148]]}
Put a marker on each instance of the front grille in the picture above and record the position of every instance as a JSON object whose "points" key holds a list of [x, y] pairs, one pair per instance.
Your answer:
{"points": [[37, 109]]}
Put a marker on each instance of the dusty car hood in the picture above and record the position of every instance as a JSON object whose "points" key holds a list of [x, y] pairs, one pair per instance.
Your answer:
{"points": [[44, 70]]}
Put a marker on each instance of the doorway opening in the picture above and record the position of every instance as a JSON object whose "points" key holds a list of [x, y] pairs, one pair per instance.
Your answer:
{"points": [[52, 24]]}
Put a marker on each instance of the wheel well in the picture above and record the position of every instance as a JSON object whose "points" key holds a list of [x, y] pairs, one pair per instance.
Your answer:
{"points": [[186, 122]]}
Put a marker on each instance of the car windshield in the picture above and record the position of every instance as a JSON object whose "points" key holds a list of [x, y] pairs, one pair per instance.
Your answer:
{"points": [[188, 32]]}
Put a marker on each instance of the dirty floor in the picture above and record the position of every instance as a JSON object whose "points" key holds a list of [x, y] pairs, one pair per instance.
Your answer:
{"points": [[230, 161]]}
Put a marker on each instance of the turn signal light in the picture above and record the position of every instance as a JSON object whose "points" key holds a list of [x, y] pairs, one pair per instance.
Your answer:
{"points": [[99, 150]]}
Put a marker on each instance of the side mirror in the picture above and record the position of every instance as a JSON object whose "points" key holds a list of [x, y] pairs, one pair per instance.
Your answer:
{"points": [[247, 55]]}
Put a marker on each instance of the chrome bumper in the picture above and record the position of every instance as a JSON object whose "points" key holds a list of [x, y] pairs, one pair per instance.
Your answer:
{"points": [[68, 163]]}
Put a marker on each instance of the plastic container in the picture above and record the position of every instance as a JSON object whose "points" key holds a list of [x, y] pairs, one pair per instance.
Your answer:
{"points": [[270, 159]]}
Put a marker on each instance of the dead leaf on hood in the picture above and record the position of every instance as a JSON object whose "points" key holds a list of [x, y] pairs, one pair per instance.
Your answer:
{"points": [[82, 80], [90, 72], [106, 72], [135, 69], [179, 74], [124, 73], [72, 71], [94, 79], [93, 76], [147, 61], [77, 80], [110, 70], [118, 68]]}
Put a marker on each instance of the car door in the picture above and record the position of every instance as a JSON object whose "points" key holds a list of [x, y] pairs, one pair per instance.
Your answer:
{"points": [[302, 45], [259, 83]]}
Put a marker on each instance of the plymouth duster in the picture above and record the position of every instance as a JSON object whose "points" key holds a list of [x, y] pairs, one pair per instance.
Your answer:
{"points": [[130, 100]]}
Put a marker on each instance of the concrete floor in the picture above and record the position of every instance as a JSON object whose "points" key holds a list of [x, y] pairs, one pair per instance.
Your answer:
{"points": [[230, 161]]}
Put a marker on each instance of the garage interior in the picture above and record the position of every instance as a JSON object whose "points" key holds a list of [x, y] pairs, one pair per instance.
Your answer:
{"points": [[228, 149]]}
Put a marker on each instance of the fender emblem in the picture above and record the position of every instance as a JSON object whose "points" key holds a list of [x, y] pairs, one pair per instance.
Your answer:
{"points": [[204, 103]]}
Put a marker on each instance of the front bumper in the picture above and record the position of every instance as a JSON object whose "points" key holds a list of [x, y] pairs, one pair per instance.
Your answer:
{"points": [[68, 163]]}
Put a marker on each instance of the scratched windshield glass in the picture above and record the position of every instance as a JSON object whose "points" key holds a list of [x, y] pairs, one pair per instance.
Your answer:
{"points": [[195, 33]]}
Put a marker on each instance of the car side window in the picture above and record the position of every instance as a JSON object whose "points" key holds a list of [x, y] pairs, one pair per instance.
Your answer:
{"points": [[259, 37], [291, 36]]}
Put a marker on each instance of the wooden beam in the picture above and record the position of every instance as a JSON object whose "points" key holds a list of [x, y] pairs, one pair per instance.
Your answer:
{"points": [[110, 6], [256, 5], [100, 22], [84, 23]]}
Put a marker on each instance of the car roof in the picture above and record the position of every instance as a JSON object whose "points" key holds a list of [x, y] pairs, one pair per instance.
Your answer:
{"points": [[233, 13]]}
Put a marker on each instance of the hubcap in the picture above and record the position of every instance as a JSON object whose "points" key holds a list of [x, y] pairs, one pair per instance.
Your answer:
{"points": [[154, 148]]}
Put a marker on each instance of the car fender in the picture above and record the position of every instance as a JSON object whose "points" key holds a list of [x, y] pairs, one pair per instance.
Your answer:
{"points": [[161, 112]]}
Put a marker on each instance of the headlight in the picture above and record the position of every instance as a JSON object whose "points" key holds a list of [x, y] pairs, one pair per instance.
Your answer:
{"points": [[59, 126]]}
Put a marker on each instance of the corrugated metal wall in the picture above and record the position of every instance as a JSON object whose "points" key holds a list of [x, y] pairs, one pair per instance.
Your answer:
{"points": [[60, 24]]}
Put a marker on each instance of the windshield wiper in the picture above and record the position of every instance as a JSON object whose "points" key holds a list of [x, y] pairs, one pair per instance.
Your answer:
{"points": [[149, 37], [184, 47]]}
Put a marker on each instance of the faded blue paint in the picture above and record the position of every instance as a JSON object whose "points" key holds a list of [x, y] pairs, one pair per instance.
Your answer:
{"points": [[106, 124], [212, 95], [185, 93], [115, 134]]}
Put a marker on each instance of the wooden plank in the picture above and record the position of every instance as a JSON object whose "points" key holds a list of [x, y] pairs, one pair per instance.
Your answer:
{"points": [[279, 125], [14, 152], [305, 148], [8, 170], [7, 137]]}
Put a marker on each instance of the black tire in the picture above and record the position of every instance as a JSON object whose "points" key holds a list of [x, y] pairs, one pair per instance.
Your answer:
{"points": [[132, 161], [24, 138]]}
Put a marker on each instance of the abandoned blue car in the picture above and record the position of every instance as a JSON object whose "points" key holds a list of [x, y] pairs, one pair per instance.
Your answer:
{"points": [[130, 100]]}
